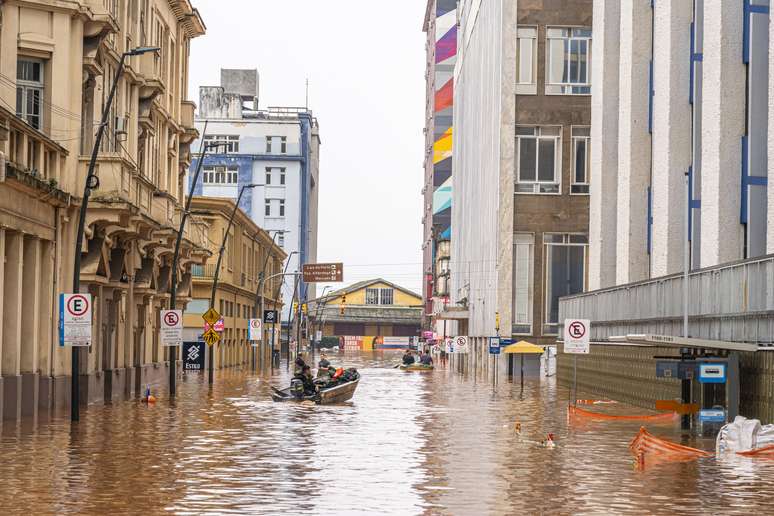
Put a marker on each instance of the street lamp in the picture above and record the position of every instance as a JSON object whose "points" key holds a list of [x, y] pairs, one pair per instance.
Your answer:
{"points": [[175, 259], [92, 183], [217, 265], [260, 292], [316, 323], [274, 323]]}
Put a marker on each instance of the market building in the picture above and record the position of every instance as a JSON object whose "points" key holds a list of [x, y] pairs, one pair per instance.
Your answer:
{"points": [[249, 255], [57, 64]]}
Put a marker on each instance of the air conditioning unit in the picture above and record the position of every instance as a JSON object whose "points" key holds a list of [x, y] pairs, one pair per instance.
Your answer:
{"points": [[122, 128]]}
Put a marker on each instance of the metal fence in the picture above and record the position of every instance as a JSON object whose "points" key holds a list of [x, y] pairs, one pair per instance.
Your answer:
{"points": [[732, 302]]}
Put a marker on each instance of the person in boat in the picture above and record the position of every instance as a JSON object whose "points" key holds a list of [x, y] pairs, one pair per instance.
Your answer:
{"points": [[408, 358], [300, 364], [324, 362], [305, 376], [426, 359]]}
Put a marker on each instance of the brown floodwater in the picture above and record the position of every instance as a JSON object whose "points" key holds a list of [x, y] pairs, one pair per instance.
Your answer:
{"points": [[408, 443]]}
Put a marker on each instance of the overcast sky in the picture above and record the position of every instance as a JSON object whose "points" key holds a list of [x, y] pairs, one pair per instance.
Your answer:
{"points": [[365, 63]]}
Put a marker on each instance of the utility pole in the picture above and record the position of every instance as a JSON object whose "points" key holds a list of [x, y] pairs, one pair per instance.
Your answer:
{"points": [[279, 314], [259, 294], [92, 183]]}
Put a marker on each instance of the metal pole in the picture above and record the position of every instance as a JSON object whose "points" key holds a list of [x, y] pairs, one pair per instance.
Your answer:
{"points": [[92, 182], [290, 313], [276, 297], [686, 383], [259, 294], [575, 381], [176, 258]]}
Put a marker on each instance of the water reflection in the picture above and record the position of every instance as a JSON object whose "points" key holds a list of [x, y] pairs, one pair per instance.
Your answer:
{"points": [[437, 443]]}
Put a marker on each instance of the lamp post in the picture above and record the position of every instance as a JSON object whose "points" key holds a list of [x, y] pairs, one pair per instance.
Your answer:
{"points": [[274, 323], [92, 183], [176, 258], [316, 323], [259, 294], [217, 267]]}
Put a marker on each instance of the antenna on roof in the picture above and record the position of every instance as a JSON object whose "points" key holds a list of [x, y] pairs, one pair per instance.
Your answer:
{"points": [[306, 103]]}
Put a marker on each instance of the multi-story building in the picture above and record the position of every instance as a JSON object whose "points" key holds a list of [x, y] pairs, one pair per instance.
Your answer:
{"points": [[522, 116], [250, 253], [57, 64], [277, 148], [681, 123], [440, 26]]}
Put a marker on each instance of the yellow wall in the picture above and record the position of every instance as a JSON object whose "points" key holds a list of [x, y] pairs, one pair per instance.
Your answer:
{"points": [[358, 297]]}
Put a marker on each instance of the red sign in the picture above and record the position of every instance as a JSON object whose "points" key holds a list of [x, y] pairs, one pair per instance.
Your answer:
{"points": [[171, 318], [77, 305], [219, 326]]}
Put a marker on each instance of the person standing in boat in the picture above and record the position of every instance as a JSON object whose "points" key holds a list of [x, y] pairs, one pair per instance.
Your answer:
{"points": [[408, 358], [300, 364], [324, 362], [305, 376]]}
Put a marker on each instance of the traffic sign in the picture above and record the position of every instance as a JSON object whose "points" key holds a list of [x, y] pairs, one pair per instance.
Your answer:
{"points": [[323, 272], [171, 327], [318, 335], [494, 345], [460, 344], [254, 332], [211, 337], [270, 316], [75, 319], [211, 316], [220, 325], [712, 372], [576, 336]]}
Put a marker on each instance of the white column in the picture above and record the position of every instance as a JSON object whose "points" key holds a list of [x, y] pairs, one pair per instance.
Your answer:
{"points": [[46, 318], [671, 134], [12, 312], [604, 146], [634, 144], [30, 305], [770, 188], [723, 112]]}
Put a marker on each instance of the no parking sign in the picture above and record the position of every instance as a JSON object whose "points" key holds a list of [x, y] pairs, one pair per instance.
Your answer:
{"points": [[576, 336], [171, 327]]}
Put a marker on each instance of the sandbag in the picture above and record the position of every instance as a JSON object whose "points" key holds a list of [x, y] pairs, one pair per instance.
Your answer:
{"points": [[740, 435]]}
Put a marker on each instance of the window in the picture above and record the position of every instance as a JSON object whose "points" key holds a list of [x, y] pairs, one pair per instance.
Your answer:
{"points": [[268, 176], [386, 296], [281, 240], [197, 306], [523, 291], [29, 91], [526, 61], [565, 272], [282, 208], [268, 208], [283, 145], [581, 160], [282, 176], [277, 172], [538, 160], [372, 296], [228, 143], [282, 141], [219, 175], [568, 61]]}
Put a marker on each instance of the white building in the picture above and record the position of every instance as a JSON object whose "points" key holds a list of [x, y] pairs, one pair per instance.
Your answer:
{"points": [[277, 148]]}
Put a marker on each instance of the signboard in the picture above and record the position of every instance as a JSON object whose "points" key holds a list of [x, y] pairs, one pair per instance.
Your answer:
{"points": [[576, 336], [352, 343], [713, 372], [211, 337], [193, 356], [211, 316], [318, 335], [448, 345], [712, 415], [220, 326], [75, 319], [460, 345], [171, 327], [679, 370], [506, 342], [323, 272], [270, 316], [428, 335], [494, 345], [395, 343], [254, 330]]}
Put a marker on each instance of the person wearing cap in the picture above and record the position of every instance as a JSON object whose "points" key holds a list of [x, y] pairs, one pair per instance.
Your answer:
{"points": [[408, 358], [305, 376]]}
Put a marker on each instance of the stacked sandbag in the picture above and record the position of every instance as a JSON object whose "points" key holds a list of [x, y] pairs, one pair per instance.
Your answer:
{"points": [[741, 435]]}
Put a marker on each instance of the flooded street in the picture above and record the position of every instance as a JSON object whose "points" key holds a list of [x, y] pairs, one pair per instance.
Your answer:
{"points": [[408, 443]]}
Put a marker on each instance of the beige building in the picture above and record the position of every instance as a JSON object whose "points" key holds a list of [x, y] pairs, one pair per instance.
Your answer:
{"points": [[250, 252], [57, 61]]}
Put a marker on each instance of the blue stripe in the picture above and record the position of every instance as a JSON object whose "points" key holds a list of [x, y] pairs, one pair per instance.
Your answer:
{"points": [[649, 243], [749, 10], [650, 98], [693, 204], [692, 64], [743, 214], [757, 181]]}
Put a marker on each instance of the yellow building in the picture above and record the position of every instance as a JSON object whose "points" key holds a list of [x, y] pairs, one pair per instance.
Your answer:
{"points": [[57, 62], [250, 254], [373, 314]]}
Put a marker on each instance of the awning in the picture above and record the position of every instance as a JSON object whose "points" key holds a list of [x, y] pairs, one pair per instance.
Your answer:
{"points": [[524, 347]]}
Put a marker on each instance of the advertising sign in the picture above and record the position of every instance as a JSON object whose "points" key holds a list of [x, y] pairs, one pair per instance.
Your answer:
{"points": [[270, 316], [75, 319], [713, 372], [193, 356], [576, 336], [318, 335], [171, 327], [254, 328]]}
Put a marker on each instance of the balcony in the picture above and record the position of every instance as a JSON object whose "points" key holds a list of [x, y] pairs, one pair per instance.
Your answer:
{"points": [[187, 116], [150, 74]]}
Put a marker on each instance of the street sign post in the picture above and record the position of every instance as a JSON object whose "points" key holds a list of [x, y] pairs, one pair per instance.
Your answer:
{"points": [[254, 332], [577, 342], [211, 316], [193, 356], [318, 336], [323, 272], [171, 327], [460, 344], [75, 320], [494, 345], [211, 337]]}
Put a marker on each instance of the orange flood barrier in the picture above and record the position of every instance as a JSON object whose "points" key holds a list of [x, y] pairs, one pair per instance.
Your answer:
{"points": [[766, 451], [645, 443], [575, 411], [595, 402]]}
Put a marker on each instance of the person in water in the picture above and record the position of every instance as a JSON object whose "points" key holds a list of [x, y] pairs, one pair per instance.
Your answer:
{"points": [[324, 362], [408, 358], [305, 376], [426, 359]]}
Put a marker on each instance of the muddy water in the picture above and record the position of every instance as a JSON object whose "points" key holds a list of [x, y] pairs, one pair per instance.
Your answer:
{"points": [[408, 443]]}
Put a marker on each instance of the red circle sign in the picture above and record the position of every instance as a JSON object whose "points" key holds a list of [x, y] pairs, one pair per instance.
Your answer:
{"points": [[577, 330], [77, 305], [255, 323], [171, 319]]}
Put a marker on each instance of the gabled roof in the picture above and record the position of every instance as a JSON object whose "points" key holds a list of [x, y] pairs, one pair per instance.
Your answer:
{"points": [[364, 284]]}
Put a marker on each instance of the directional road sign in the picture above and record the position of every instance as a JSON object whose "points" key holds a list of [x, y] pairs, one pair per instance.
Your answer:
{"points": [[75, 319], [211, 316], [171, 327], [211, 337], [254, 330], [576, 336], [323, 272]]}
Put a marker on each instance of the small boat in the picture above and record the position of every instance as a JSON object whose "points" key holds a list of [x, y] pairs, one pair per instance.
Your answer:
{"points": [[416, 367], [326, 396]]}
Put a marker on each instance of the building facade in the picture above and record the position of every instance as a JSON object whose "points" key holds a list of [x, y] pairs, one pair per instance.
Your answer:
{"points": [[522, 116], [440, 26], [277, 148], [681, 117], [57, 64], [368, 315], [250, 254]]}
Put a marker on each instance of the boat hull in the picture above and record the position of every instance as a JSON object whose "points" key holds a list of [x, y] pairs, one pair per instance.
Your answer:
{"points": [[416, 367], [330, 396]]}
